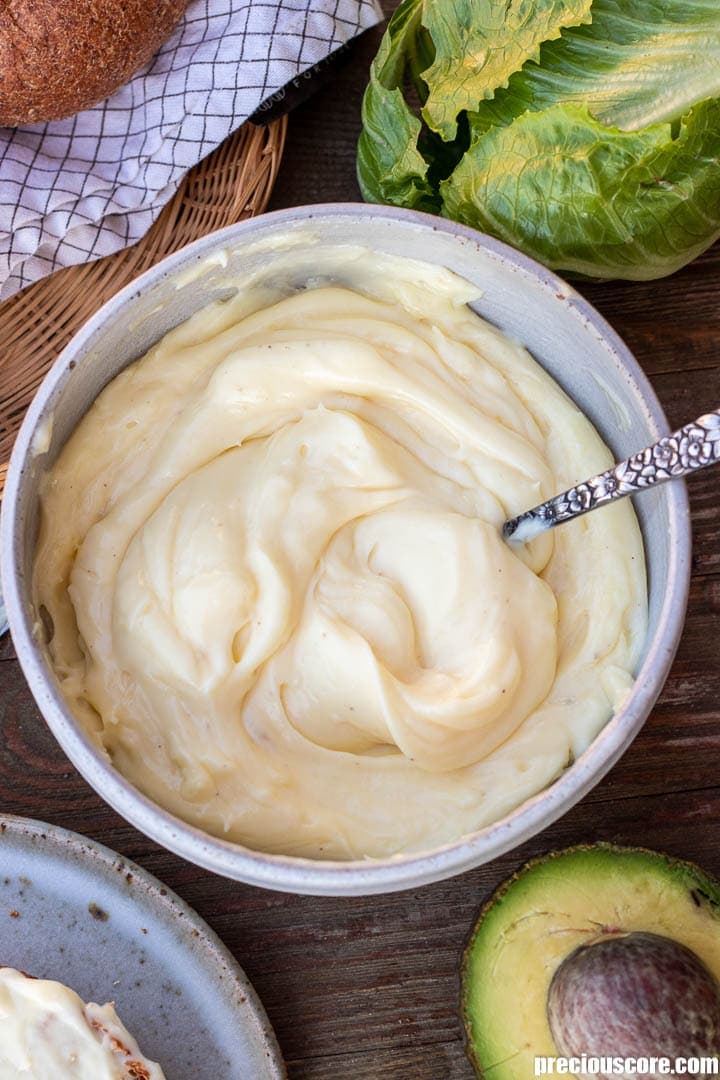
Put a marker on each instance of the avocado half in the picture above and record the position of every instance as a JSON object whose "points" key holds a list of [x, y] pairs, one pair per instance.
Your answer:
{"points": [[543, 913]]}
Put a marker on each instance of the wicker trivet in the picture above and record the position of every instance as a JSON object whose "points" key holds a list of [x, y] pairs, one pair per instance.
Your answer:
{"points": [[233, 183]]}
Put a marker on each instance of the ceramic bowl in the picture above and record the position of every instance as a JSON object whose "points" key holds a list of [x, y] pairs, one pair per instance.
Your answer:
{"points": [[525, 300]]}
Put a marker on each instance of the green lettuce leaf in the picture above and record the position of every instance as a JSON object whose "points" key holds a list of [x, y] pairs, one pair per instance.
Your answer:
{"points": [[478, 46], [637, 64], [588, 199], [584, 132], [391, 168]]}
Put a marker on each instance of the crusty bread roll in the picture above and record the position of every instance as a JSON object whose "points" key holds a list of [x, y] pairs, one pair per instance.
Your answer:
{"points": [[60, 56]]}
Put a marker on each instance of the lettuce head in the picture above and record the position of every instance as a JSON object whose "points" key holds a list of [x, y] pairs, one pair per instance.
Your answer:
{"points": [[584, 132]]}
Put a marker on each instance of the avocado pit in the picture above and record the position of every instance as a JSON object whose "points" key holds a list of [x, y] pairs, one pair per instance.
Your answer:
{"points": [[634, 995]]}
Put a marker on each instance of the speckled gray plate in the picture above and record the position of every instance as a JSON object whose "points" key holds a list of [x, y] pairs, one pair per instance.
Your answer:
{"points": [[72, 910]]}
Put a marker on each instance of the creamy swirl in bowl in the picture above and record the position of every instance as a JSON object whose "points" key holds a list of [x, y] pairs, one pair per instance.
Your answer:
{"points": [[271, 558]]}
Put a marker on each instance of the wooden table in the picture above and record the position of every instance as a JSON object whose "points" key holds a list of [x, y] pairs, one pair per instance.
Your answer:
{"points": [[368, 988]]}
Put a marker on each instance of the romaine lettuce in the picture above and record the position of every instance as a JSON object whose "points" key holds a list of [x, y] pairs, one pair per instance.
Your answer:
{"points": [[585, 132]]}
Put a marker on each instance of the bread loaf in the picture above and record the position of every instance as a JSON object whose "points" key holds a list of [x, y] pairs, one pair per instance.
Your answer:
{"points": [[60, 56]]}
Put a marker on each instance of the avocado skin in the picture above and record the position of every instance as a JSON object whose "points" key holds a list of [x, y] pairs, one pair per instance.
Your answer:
{"points": [[702, 887]]}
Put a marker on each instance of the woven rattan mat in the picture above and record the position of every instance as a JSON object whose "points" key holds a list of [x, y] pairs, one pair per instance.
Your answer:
{"points": [[233, 183]]}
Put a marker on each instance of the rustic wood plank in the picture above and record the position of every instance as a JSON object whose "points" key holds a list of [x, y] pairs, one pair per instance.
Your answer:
{"points": [[420, 1062], [7, 651]]}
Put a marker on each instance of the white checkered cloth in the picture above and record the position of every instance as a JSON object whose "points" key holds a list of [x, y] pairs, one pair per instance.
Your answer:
{"points": [[75, 190]]}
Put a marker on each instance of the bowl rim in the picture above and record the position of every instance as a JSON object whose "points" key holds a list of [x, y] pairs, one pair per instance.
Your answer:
{"points": [[353, 877]]}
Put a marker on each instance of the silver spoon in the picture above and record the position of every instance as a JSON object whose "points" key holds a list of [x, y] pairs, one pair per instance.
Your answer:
{"points": [[694, 446]]}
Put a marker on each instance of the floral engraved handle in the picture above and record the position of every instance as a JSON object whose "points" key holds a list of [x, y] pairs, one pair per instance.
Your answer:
{"points": [[692, 447]]}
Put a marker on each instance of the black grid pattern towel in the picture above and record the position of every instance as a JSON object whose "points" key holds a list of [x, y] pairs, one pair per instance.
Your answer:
{"points": [[78, 189]]}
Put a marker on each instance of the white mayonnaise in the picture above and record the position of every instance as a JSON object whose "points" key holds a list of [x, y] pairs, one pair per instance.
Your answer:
{"points": [[48, 1033], [272, 555]]}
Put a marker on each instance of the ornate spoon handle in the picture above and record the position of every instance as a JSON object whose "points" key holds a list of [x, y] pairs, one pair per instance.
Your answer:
{"points": [[692, 447]]}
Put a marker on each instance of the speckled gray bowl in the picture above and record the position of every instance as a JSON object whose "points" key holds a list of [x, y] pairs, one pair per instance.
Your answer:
{"points": [[565, 334]]}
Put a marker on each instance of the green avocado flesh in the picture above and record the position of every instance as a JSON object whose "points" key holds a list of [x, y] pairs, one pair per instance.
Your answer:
{"points": [[543, 913]]}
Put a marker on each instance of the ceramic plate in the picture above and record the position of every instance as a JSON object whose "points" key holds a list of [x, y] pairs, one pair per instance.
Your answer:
{"points": [[74, 911]]}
